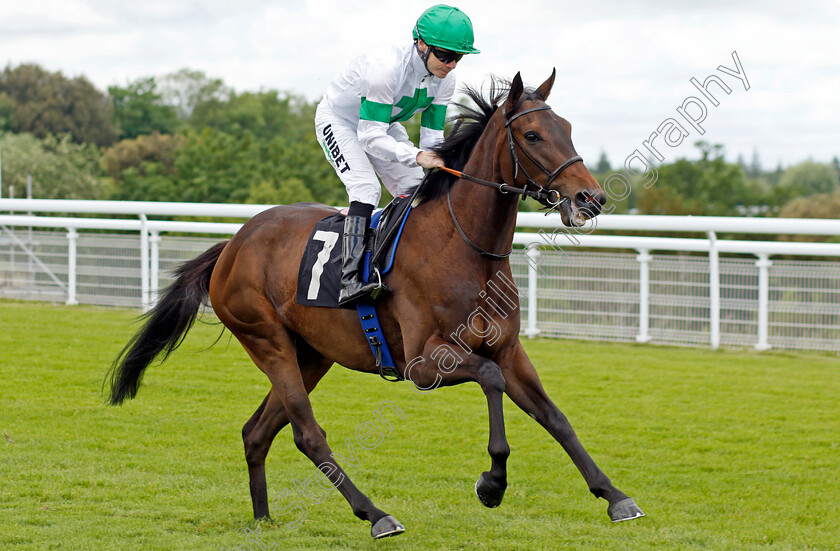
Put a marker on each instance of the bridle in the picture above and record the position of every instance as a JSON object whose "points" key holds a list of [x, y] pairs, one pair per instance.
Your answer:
{"points": [[549, 197], [545, 193]]}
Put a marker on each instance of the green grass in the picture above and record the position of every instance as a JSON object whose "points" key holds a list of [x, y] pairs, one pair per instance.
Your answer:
{"points": [[722, 450]]}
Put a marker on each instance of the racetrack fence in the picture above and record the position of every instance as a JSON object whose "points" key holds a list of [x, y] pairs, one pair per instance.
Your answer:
{"points": [[583, 285]]}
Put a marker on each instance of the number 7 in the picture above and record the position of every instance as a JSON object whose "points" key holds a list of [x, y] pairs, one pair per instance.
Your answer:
{"points": [[329, 238]]}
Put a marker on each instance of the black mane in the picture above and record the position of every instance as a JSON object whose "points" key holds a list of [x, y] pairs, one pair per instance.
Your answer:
{"points": [[469, 124]]}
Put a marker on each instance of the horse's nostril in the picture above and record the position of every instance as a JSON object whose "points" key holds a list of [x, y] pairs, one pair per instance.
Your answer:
{"points": [[587, 199], [589, 202]]}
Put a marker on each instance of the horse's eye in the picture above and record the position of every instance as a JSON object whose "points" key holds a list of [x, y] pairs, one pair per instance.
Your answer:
{"points": [[532, 136]]}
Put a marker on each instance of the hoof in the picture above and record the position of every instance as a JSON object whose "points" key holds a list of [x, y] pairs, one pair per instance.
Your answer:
{"points": [[386, 526], [488, 495], [626, 509]]}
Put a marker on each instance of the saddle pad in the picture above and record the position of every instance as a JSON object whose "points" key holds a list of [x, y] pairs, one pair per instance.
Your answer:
{"points": [[320, 269]]}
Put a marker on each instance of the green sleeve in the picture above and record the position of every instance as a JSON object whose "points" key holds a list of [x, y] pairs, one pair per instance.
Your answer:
{"points": [[433, 117], [373, 111]]}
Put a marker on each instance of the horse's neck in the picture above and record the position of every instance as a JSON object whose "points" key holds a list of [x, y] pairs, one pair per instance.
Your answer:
{"points": [[486, 215]]}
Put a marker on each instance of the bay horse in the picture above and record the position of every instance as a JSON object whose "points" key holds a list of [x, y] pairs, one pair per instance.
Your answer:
{"points": [[454, 244]]}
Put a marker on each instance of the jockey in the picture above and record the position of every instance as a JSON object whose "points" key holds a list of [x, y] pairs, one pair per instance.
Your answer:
{"points": [[357, 125]]}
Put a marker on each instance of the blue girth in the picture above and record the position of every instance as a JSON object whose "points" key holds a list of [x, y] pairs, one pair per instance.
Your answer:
{"points": [[367, 312]]}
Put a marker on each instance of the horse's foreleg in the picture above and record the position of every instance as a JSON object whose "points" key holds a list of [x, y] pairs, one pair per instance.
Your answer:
{"points": [[445, 365], [526, 390]]}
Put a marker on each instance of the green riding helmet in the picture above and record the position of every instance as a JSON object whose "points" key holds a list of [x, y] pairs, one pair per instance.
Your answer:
{"points": [[446, 27]]}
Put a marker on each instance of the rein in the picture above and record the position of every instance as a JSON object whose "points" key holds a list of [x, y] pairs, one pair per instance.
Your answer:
{"points": [[549, 197], [473, 246], [539, 194]]}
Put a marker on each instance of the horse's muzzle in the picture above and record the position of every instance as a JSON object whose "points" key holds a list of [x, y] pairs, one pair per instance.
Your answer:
{"points": [[585, 205]]}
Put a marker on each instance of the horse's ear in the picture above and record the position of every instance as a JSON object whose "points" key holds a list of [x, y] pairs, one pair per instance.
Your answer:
{"points": [[516, 89], [545, 88]]}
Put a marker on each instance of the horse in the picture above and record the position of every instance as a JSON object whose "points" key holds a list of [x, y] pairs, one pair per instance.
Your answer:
{"points": [[451, 270]]}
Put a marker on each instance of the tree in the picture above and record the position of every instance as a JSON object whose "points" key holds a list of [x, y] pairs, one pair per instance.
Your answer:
{"points": [[7, 112], [60, 169], [709, 186], [824, 205], [279, 128], [143, 169], [139, 109], [47, 103], [754, 170], [603, 165], [212, 166], [271, 193], [263, 114], [303, 159], [805, 179], [215, 167], [185, 90]]}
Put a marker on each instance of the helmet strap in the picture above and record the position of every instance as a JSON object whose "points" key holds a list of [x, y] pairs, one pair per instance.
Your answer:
{"points": [[423, 56]]}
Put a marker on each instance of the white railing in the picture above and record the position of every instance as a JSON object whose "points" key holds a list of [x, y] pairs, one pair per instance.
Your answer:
{"points": [[564, 238], [542, 249]]}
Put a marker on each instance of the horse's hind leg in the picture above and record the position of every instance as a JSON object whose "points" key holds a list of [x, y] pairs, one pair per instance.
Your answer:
{"points": [[275, 355], [260, 430], [525, 389], [256, 449]]}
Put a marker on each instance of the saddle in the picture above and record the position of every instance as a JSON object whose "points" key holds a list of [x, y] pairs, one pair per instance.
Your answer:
{"points": [[387, 226]]}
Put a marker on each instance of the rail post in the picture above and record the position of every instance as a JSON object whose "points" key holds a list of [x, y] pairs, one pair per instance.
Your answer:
{"points": [[644, 259], [714, 291], [144, 263], [154, 277], [533, 254], [72, 239], [763, 263]]}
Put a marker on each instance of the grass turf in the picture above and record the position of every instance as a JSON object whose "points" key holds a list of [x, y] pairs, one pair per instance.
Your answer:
{"points": [[722, 450]]}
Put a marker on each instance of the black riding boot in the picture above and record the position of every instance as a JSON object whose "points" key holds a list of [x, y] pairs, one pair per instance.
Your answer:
{"points": [[353, 287]]}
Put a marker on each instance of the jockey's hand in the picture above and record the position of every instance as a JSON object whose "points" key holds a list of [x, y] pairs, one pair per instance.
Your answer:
{"points": [[429, 159]]}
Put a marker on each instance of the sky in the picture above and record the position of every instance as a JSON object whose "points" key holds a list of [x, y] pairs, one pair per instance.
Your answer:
{"points": [[624, 67]]}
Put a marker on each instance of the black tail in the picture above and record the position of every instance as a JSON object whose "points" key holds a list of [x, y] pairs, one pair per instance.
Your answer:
{"points": [[166, 324]]}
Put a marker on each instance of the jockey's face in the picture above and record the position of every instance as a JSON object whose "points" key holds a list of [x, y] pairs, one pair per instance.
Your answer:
{"points": [[435, 65]]}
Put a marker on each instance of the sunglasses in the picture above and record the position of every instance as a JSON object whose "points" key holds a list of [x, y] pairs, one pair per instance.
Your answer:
{"points": [[446, 56]]}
